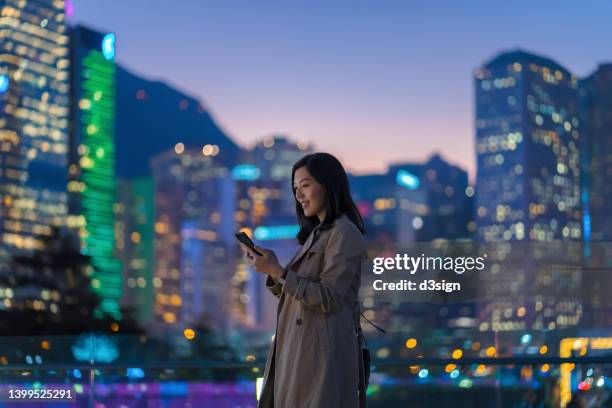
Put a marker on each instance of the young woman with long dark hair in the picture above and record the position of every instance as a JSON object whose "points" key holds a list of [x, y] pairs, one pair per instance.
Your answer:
{"points": [[315, 359]]}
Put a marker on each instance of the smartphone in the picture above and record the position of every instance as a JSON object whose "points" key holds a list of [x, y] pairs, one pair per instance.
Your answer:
{"points": [[244, 238]]}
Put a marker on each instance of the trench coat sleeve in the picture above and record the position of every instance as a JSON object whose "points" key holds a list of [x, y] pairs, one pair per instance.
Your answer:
{"points": [[274, 286], [341, 262]]}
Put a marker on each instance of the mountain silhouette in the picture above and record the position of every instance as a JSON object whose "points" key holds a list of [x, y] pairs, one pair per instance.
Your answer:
{"points": [[153, 117]]}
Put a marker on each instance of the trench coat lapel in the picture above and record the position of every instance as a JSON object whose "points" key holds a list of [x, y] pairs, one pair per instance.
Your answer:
{"points": [[312, 238], [302, 251]]}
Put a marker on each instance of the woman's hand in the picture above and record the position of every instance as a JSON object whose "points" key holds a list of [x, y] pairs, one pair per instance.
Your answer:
{"points": [[266, 263]]}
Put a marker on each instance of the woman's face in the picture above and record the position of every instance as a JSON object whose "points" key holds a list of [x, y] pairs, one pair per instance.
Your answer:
{"points": [[309, 193]]}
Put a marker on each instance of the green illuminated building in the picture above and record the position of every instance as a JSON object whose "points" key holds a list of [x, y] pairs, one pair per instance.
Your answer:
{"points": [[91, 185]]}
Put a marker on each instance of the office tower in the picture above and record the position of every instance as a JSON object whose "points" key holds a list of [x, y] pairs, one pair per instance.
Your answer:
{"points": [[194, 237], [596, 106], [272, 159], [134, 235], [92, 183], [165, 118], [527, 144], [34, 115], [266, 211], [393, 206], [528, 136], [596, 98], [449, 198], [408, 206]]}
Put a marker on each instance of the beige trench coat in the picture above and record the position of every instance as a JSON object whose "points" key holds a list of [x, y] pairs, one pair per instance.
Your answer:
{"points": [[315, 358]]}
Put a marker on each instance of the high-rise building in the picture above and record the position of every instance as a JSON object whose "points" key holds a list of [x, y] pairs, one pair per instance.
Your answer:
{"points": [[449, 198], [92, 159], [167, 118], [528, 137], [596, 98], [34, 117], [134, 236], [403, 209], [393, 206], [527, 144], [266, 211], [194, 237], [596, 105]]}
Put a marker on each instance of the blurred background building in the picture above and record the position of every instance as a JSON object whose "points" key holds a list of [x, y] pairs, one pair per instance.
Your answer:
{"points": [[266, 211], [154, 190], [120, 197], [34, 138], [194, 237], [596, 109], [92, 182], [528, 140], [34, 122], [134, 238]]}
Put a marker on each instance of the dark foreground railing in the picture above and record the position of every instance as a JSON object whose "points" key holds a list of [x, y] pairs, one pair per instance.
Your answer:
{"points": [[141, 371]]}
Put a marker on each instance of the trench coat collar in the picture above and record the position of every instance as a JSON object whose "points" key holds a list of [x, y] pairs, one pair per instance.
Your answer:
{"points": [[316, 232]]}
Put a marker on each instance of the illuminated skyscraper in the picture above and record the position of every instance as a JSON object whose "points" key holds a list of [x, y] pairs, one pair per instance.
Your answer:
{"points": [[393, 206], [448, 197], [34, 116], [134, 235], [596, 91], [92, 159], [194, 237], [413, 203], [527, 144], [528, 137], [266, 209], [268, 166], [596, 104]]}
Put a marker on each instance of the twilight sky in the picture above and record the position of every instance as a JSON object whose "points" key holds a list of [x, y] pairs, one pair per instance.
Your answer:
{"points": [[371, 82]]}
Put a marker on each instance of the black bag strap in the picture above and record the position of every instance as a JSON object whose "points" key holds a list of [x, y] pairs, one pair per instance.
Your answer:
{"points": [[379, 329]]}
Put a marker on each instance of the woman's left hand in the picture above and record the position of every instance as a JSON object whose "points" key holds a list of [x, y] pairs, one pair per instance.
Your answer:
{"points": [[266, 263]]}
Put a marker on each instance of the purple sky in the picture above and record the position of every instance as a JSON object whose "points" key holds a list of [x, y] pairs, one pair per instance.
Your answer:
{"points": [[372, 82]]}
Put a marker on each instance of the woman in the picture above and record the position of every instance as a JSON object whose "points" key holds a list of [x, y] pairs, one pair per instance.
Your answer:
{"points": [[315, 359]]}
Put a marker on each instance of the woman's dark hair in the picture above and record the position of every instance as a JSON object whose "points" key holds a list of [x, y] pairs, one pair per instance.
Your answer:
{"points": [[328, 172]]}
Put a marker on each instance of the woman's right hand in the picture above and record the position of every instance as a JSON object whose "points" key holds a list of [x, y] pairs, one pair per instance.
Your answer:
{"points": [[266, 263]]}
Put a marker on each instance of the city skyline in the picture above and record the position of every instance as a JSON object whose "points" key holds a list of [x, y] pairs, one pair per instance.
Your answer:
{"points": [[365, 73], [122, 199]]}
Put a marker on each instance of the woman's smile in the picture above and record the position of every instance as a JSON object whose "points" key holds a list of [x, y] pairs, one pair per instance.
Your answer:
{"points": [[309, 193]]}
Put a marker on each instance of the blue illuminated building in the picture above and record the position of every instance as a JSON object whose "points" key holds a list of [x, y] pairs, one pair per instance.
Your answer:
{"points": [[393, 214], [194, 238], [449, 197], [528, 140], [596, 106], [415, 202], [596, 103], [528, 136]]}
